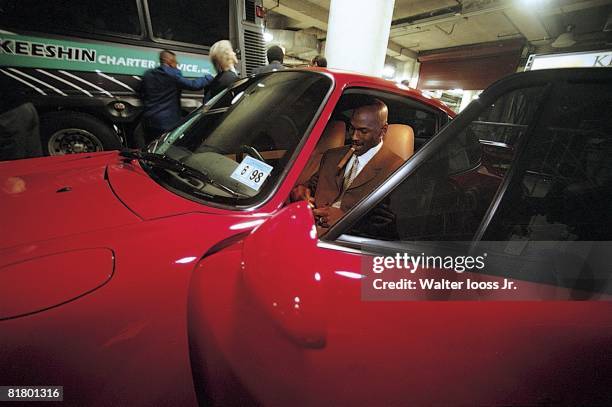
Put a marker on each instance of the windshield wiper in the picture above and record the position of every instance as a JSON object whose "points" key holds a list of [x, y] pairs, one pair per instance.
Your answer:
{"points": [[180, 168]]}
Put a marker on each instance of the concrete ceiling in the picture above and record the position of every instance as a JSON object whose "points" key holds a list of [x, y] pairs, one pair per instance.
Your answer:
{"points": [[425, 25]]}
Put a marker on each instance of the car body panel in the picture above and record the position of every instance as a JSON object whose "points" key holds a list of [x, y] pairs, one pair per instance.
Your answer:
{"points": [[128, 336], [52, 198], [55, 278], [392, 353]]}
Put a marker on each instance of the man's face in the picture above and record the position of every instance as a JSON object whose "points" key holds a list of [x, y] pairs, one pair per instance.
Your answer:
{"points": [[366, 129]]}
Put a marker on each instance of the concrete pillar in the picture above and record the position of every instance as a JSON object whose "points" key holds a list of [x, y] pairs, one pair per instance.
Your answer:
{"points": [[414, 80], [358, 34]]}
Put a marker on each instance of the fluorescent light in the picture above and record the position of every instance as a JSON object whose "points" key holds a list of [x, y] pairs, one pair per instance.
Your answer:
{"points": [[535, 3]]}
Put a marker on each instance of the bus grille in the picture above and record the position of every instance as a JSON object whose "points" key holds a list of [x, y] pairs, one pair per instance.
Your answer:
{"points": [[249, 9], [254, 50]]}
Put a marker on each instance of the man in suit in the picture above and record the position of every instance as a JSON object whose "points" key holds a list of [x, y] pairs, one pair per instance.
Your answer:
{"points": [[349, 173], [275, 56], [161, 95]]}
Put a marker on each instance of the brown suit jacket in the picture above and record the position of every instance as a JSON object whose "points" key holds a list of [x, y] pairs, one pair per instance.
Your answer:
{"points": [[327, 182]]}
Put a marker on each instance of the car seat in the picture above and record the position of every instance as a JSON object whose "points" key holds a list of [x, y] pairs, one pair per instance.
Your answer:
{"points": [[400, 140], [332, 137]]}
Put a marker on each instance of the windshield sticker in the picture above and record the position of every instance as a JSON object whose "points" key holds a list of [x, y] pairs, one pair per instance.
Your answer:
{"points": [[252, 172]]}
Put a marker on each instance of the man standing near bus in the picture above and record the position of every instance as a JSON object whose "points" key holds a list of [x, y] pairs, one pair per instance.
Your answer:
{"points": [[161, 95], [275, 56]]}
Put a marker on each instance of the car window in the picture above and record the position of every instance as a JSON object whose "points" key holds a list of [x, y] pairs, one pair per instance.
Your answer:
{"points": [[251, 130], [447, 196], [92, 17], [406, 117], [564, 189], [201, 22], [553, 223]]}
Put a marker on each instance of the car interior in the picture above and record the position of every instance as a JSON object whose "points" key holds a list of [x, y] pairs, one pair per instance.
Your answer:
{"points": [[411, 125]]}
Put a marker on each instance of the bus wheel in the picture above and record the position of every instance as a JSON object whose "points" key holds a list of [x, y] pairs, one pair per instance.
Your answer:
{"points": [[73, 132]]}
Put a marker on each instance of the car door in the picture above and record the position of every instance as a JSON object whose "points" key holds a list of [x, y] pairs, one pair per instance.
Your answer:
{"points": [[303, 325]]}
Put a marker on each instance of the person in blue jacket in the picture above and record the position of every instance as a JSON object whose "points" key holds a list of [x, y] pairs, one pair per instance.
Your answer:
{"points": [[161, 95]]}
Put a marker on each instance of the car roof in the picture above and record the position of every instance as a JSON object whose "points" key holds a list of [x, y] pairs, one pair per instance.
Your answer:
{"points": [[343, 78], [542, 76]]}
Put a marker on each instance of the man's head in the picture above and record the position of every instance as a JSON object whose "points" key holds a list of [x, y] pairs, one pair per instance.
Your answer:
{"points": [[275, 53], [319, 61], [223, 56], [168, 58], [368, 125]]}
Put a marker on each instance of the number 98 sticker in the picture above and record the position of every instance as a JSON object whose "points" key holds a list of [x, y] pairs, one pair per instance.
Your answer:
{"points": [[252, 172]]}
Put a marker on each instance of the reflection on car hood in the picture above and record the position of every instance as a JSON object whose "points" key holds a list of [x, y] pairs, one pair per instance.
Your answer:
{"points": [[145, 197], [46, 198]]}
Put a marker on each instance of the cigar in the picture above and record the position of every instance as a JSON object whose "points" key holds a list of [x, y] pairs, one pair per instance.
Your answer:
{"points": [[345, 159]]}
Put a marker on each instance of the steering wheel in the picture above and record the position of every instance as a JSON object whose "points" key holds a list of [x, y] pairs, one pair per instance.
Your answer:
{"points": [[251, 151]]}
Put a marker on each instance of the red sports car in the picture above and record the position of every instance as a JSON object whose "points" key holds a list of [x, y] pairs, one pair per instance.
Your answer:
{"points": [[523, 177], [97, 251]]}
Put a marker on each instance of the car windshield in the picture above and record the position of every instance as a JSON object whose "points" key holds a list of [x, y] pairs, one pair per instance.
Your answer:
{"points": [[236, 148]]}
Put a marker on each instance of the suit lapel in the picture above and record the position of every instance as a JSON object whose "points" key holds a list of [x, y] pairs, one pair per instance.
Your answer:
{"points": [[371, 170], [339, 180], [365, 176]]}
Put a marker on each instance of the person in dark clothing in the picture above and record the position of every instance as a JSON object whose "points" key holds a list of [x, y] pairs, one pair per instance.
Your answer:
{"points": [[319, 61], [161, 95], [224, 58], [275, 56], [19, 128]]}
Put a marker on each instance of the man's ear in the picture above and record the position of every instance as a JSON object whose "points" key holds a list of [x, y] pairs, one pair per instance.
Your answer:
{"points": [[383, 130]]}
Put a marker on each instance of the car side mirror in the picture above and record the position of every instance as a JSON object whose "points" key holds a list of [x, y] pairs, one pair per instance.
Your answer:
{"points": [[280, 271]]}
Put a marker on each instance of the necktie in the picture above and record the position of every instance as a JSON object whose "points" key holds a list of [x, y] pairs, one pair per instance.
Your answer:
{"points": [[350, 177]]}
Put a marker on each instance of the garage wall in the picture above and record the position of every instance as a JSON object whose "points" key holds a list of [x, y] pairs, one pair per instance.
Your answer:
{"points": [[470, 68]]}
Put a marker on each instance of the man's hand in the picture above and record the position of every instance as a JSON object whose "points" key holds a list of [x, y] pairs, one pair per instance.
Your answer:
{"points": [[327, 215], [302, 193]]}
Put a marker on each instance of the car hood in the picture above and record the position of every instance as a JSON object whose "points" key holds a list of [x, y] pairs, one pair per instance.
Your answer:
{"points": [[68, 230], [50, 197], [145, 197]]}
